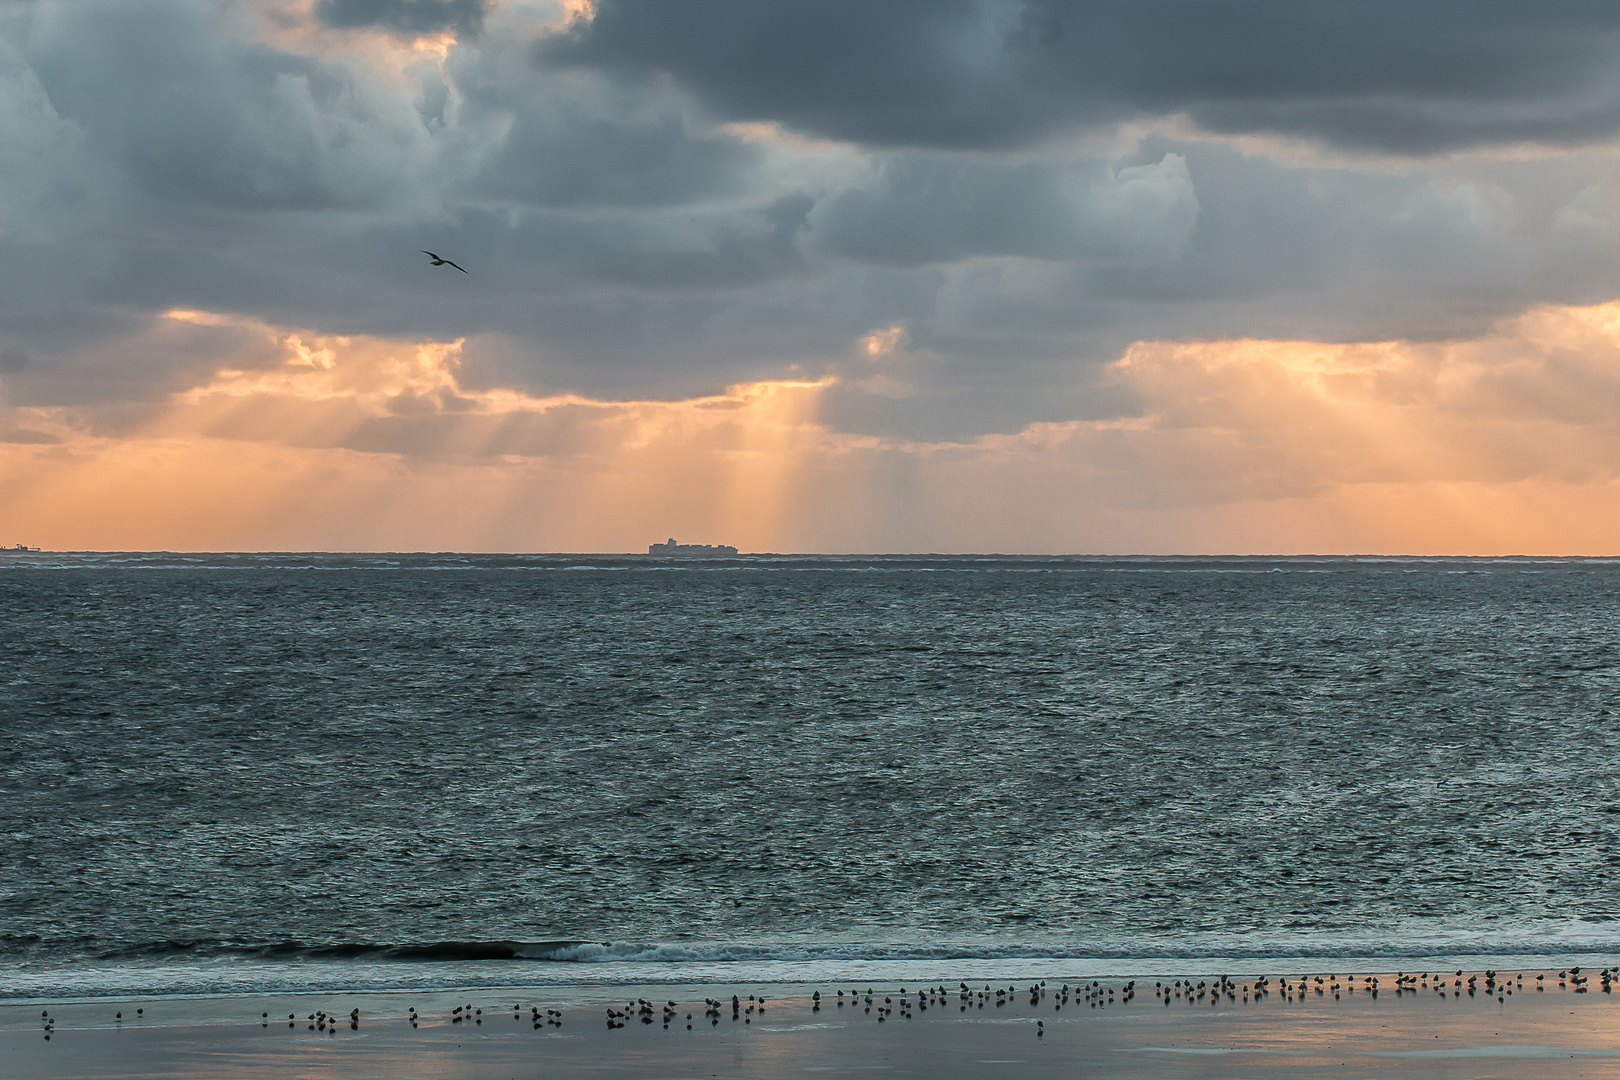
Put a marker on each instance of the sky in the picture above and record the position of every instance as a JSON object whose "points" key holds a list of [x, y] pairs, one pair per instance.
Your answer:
{"points": [[1156, 276]]}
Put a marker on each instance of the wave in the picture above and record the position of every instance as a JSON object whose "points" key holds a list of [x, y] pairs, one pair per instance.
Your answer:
{"points": [[653, 953], [575, 951], [426, 952], [571, 967]]}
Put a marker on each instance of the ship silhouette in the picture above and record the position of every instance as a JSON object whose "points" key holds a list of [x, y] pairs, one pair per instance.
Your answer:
{"points": [[670, 547]]}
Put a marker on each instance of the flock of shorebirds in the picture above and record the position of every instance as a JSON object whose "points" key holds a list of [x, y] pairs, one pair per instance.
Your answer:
{"points": [[888, 1004], [1492, 983], [1097, 995]]}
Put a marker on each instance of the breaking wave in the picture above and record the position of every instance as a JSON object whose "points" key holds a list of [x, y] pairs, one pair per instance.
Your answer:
{"points": [[573, 967], [1582, 938]]}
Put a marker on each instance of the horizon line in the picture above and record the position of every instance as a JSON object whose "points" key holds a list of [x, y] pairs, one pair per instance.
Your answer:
{"points": [[1096, 556]]}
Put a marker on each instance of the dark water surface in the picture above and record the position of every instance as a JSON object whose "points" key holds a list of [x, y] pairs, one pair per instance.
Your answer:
{"points": [[347, 759]]}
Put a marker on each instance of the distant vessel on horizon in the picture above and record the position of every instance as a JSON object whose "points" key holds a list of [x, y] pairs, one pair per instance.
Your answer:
{"points": [[19, 547], [670, 547]]}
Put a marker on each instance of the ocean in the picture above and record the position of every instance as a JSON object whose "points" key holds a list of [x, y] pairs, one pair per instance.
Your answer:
{"points": [[241, 773]]}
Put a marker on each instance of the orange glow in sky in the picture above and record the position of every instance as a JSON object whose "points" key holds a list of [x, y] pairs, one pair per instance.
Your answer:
{"points": [[1506, 443]]}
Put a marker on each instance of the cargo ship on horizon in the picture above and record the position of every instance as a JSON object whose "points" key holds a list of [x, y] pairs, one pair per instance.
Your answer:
{"points": [[712, 551]]}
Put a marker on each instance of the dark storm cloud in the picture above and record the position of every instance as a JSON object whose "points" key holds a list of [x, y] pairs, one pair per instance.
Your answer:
{"points": [[893, 73], [650, 163], [677, 252], [624, 241], [581, 142], [151, 359], [1386, 75], [922, 209], [1322, 253], [225, 124], [410, 18], [27, 436]]}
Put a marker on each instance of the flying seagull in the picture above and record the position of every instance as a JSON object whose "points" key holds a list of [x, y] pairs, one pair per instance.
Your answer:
{"points": [[438, 261]]}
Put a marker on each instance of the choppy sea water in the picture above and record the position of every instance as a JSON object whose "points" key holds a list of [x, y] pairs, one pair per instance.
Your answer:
{"points": [[237, 773]]}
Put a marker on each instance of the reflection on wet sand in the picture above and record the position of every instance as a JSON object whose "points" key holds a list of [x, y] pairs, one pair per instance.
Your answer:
{"points": [[1523, 1024]]}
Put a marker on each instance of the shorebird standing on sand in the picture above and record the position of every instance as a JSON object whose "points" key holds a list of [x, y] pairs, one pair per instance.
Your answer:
{"points": [[437, 261]]}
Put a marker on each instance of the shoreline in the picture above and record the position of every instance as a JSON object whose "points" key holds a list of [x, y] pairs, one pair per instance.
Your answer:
{"points": [[942, 1032], [236, 977]]}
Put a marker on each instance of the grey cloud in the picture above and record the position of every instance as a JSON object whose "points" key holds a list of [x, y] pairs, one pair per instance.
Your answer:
{"points": [[580, 142], [739, 253], [247, 178], [1349, 254], [1279, 251], [134, 360], [676, 252], [607, 164], [1384, 75], [1286, 251], [646, 343], [27, 436], [410, 18], [220, 123], [622, 243], [13, 360], [905, 73], [933, 209], [600, 301]]}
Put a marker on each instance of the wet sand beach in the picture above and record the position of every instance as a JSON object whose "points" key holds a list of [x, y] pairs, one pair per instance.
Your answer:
{"points": [[1202, 1027]]}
